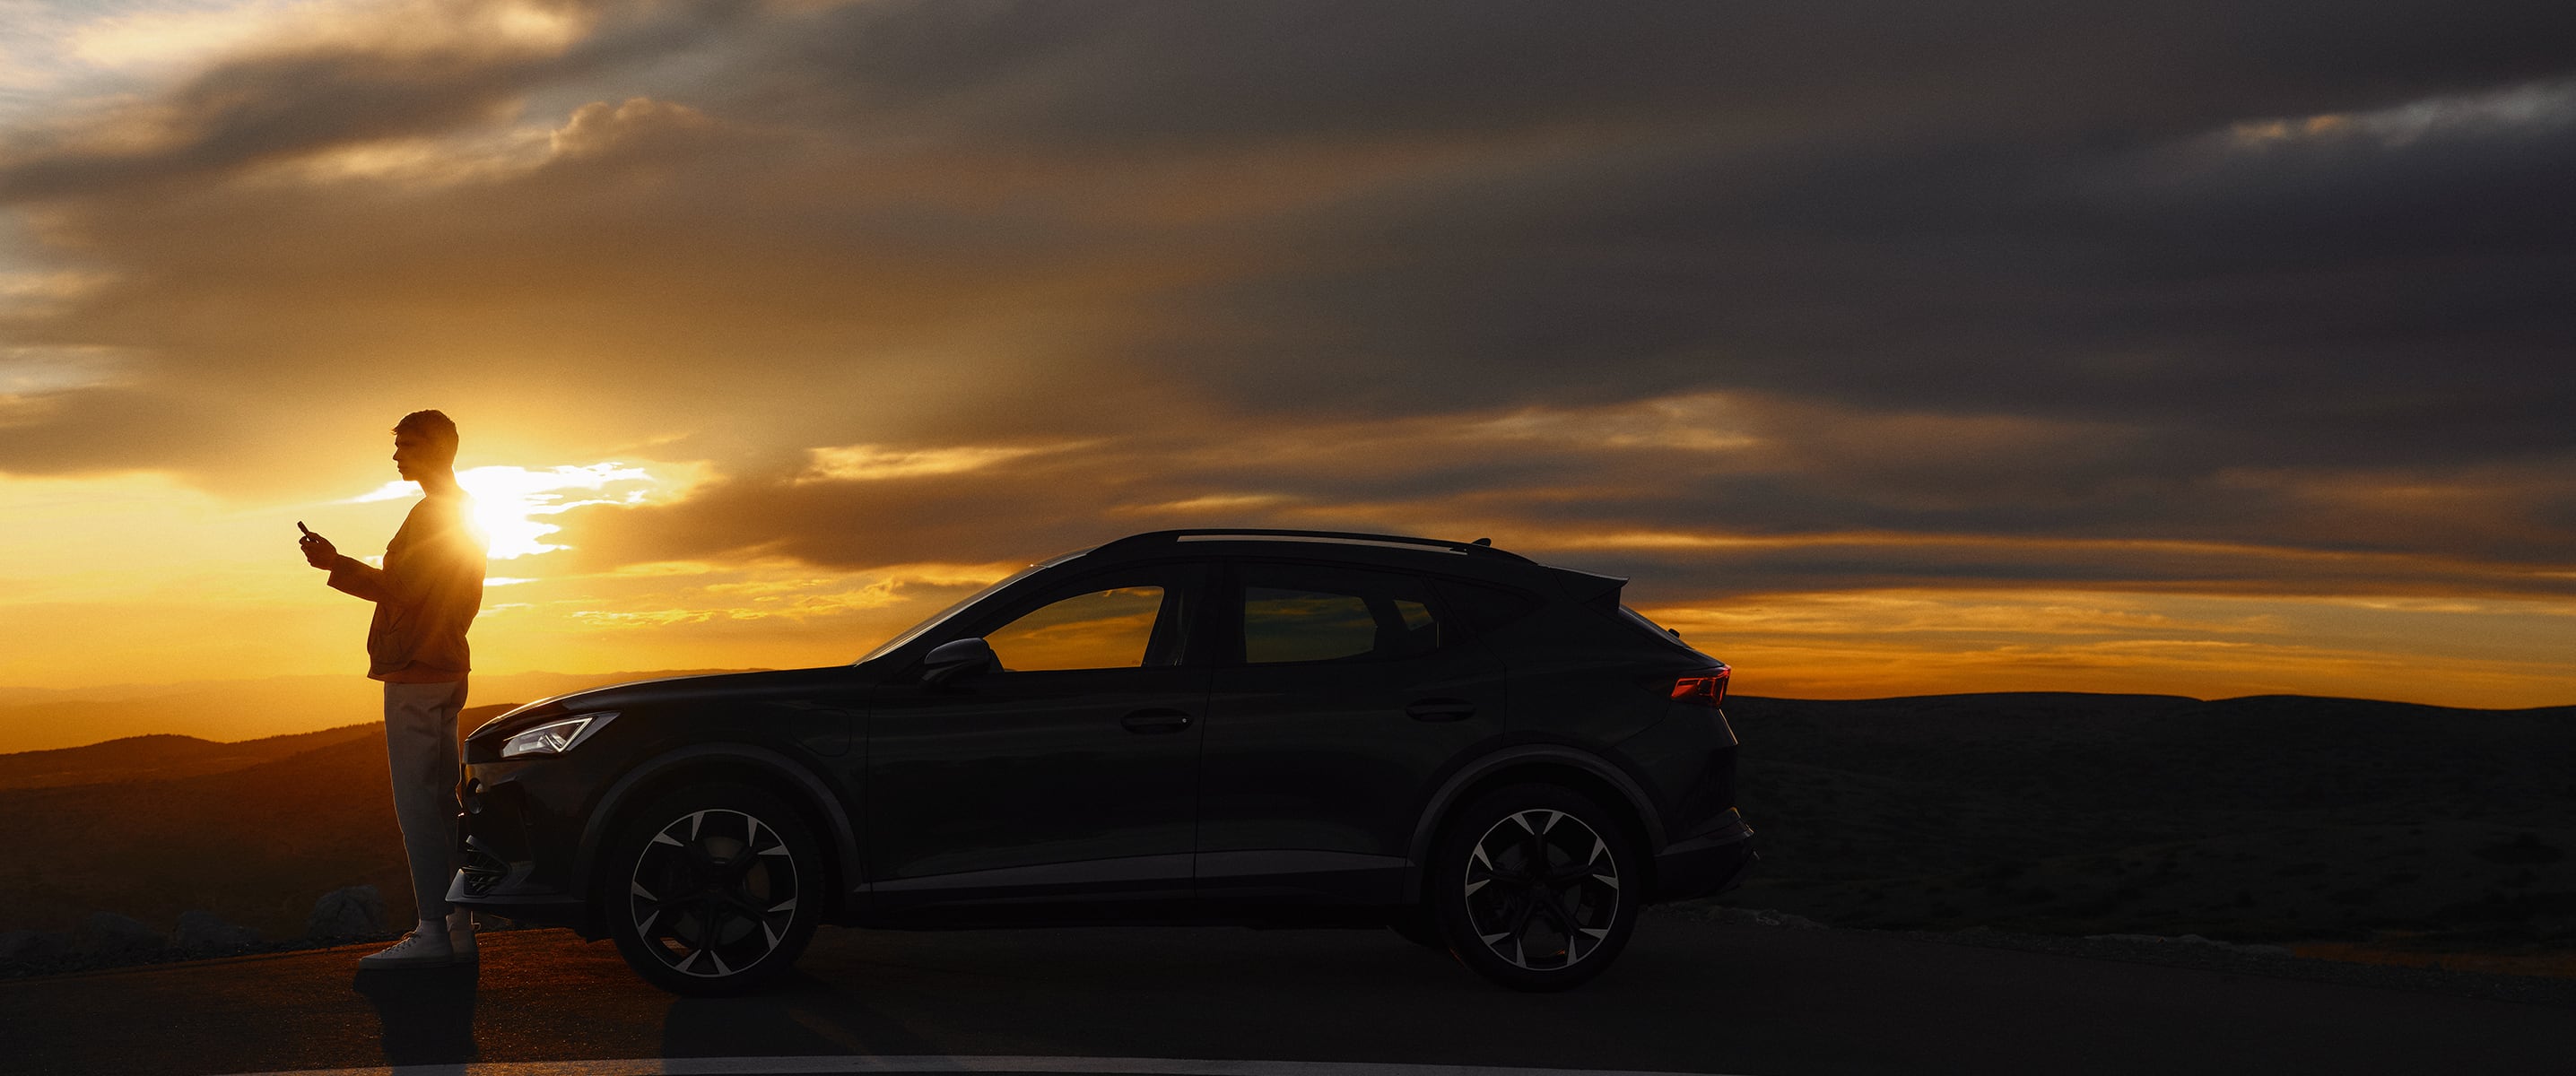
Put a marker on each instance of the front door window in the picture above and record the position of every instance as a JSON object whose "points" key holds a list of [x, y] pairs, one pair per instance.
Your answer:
{"points": [[1100, 629]]}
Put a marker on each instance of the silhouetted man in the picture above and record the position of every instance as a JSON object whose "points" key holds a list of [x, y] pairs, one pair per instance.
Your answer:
{"points": [[426, 596]]}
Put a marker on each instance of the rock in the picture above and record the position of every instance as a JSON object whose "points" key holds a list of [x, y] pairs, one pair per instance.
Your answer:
{"points": [[204, 932], [117, 937], [347, 914], [34, 946]]}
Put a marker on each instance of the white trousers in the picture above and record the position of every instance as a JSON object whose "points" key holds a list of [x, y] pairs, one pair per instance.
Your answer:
{"points": [[420, 749]]}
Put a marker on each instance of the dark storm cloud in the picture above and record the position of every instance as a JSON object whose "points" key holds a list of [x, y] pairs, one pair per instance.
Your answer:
{"points": [[265, 107], [1998, 210], [1135, 77], [1609, 489], [2271, 277]]}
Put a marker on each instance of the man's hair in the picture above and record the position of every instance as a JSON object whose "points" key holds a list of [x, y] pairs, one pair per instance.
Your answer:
{"points": [[434, 425]]}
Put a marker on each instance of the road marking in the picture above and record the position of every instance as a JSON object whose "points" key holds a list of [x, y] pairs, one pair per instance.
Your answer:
{"points": [[1097, 1066]]}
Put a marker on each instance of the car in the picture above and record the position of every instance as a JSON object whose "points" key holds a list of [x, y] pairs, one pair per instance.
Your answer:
{"points": [[1271, 728]]}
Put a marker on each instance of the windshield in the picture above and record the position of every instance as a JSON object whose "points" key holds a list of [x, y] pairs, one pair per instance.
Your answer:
{"points": [[941, 617]]}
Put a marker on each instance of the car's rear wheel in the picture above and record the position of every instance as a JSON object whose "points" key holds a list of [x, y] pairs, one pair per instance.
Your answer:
{"points": [[1534, 886], [713, 889]]}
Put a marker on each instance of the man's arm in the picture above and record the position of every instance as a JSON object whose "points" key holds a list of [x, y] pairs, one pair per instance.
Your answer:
{"points": [[442, 556], [349, 575]]}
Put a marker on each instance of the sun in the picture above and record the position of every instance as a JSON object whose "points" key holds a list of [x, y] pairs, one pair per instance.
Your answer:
{"points": [[509, 503]]}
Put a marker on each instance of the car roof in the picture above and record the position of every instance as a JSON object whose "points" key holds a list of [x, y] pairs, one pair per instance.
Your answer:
{"points": [[1476, 559], [1295, 539]]}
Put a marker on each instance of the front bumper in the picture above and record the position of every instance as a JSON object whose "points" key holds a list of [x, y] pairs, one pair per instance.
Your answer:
{"points": [[491, 884], [1713, 861], [522, 829]]}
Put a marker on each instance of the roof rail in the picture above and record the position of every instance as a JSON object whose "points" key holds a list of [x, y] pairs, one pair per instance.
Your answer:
{"points": [[1479, 547]]}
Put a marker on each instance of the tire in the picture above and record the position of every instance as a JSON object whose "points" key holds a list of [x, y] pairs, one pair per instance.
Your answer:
{"points": [[713, 889], [1545, 930]]}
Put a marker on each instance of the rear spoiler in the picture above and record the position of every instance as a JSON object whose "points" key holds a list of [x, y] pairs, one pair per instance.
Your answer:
{"points": [[1589, 589]]}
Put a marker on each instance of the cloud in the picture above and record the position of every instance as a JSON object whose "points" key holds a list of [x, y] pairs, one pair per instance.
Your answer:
{"points": [[2181, 296], [597, 128], [95, 429], [2527, 111], [865, 463], [287, 82], [1791, 500]]}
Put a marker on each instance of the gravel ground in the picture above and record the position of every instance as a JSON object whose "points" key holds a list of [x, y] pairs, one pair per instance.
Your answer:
{"points": [[2214, 956]]}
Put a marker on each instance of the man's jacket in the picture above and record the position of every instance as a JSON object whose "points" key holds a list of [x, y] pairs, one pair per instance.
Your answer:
{"points": [[426, 595]]}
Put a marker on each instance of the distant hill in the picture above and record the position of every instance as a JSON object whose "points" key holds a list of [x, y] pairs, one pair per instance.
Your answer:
{"points": [[2258, 819], [158, 757], [237, 710], [255, 845]]}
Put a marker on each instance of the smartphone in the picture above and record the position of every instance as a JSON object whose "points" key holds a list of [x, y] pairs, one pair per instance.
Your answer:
{"points": [[308, 532]]}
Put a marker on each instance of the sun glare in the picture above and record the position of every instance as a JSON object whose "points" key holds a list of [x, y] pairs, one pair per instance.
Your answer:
{"points": [[509, 501]]}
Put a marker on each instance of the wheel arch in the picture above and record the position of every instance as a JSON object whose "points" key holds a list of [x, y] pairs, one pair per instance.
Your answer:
{"points": [[1545, 764], [761, 766]]}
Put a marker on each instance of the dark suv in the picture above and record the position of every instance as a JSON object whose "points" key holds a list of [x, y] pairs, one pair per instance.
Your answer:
{"points": [[1272, 728]]}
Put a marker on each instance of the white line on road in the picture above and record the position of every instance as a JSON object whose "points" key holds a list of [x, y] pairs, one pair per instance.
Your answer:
{"points": [[1097, 1066]]}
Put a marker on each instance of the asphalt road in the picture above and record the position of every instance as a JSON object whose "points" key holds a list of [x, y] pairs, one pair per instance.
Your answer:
{"points": [[1689, 996]]}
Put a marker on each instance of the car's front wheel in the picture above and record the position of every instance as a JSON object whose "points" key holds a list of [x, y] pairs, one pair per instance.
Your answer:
{"points": [[1536, 886], [713, 889]]}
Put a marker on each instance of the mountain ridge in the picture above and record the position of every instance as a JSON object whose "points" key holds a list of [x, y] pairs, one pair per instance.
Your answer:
{"points": [[2260, 818], [237, 711]]}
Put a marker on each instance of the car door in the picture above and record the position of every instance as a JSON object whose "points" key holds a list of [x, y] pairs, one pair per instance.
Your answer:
{"points": [[1069, 772], [1341, 694]]}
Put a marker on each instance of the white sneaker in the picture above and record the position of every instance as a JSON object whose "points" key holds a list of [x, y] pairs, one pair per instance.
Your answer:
{"points": [[416, 950], [460, 934]]}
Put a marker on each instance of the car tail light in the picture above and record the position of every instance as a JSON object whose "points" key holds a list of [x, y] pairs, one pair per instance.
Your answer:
{"points": [[1704, 689]]}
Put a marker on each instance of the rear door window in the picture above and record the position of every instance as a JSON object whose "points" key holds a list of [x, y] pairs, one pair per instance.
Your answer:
{"points": [[1302, 613]]}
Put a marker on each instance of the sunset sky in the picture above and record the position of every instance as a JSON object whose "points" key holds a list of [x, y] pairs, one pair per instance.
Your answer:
{"points": [[1890, 348]]}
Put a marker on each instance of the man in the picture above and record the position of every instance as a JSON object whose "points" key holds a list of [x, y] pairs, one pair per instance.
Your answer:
{"points": [[426, 596]]}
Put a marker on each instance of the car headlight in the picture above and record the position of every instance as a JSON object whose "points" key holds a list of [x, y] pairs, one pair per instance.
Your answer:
{"points": [[556, 737]]}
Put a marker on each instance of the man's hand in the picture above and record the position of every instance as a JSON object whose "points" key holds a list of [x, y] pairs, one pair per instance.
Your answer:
{"points": [[318, 550]]}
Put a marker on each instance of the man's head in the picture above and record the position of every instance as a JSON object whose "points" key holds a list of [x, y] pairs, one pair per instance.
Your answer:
{"points": [[424, 444]]}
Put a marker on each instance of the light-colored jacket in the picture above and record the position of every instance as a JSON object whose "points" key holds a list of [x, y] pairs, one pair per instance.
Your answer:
{"points": [[426, 595]]}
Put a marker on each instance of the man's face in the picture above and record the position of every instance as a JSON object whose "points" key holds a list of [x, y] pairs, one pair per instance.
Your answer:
{"points": [[413, 455]]}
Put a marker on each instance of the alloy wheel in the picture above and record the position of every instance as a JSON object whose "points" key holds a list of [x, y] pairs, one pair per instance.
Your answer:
{"points": [[713, 893], [1541, 889]]}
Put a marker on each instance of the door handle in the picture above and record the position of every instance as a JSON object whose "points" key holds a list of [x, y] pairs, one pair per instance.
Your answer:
{"points": [[1441, 709], [1150, 721]]}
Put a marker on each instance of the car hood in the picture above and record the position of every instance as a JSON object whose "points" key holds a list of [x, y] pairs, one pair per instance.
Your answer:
{"points": [[664, 689]]}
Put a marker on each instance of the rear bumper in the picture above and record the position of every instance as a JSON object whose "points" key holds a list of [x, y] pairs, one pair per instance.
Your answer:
{"points": [[1710, 862]]}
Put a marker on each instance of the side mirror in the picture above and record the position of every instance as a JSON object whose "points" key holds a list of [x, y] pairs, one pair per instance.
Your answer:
{"points": [[955, 658]]}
